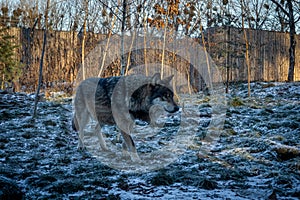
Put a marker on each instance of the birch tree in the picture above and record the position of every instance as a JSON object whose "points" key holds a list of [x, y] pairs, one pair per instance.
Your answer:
{"points": [[247, 46], [85, 7]]}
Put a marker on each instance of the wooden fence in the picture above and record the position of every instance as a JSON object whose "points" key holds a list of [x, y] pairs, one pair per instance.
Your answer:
{"points": [[269, 56]]}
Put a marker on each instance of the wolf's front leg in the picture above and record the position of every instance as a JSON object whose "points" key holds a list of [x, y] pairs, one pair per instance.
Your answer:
{"points": [[129, 146], [100, 137], [80, 120], [80, 146]]}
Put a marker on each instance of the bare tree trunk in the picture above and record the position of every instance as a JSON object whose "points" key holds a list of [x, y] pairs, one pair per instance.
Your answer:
{"points": [[227, 59], [164, 46], [122, 37], [145, 46], [129, 54], [36, 100], [207, 58], [163, 54], [83, 39], [248, 63], [188, 80], [292, 41], [290, 15], [247, 49]]}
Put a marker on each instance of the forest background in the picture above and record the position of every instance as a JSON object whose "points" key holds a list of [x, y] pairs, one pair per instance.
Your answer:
{"points": [[249, 40]]}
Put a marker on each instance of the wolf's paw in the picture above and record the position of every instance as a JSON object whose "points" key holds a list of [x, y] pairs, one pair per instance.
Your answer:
{"points": [[105, 149], [81, 148], [125, 153], [135, 158]]}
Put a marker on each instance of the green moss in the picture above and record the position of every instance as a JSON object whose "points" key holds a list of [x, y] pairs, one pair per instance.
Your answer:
{"points": [[231, 132], [236, 102], [268, 85]]}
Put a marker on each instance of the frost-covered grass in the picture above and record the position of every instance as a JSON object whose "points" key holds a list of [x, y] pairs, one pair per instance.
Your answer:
{"points": [[255, 156]]}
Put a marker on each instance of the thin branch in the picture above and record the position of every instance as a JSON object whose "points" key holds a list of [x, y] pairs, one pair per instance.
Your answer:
{"points": [[106, 47], [281, 8], [111, 9]]}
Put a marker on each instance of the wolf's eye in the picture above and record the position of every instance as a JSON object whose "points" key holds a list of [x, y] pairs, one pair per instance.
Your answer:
{"points": [[166, 96]]}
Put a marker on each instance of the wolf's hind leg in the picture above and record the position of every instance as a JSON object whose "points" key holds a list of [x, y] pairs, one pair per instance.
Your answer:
{"points": [[80, 141], [82, 119], [130, 147], [100, 137]]}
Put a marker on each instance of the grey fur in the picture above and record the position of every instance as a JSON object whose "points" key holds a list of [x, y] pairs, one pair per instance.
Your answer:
{"points": [[120, 100]]}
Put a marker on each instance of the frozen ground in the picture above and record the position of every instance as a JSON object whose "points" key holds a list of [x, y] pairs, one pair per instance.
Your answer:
{"points": [[257, 155]]}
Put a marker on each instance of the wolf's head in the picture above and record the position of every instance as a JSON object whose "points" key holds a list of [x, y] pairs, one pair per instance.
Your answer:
{"points": [[161, 94]]}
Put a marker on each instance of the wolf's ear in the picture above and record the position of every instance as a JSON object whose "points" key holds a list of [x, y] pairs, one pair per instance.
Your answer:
{"points": [[155, 79], [167, 80]]}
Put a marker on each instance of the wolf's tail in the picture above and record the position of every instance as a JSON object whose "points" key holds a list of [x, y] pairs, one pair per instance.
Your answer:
{"points": [[75, 123]]}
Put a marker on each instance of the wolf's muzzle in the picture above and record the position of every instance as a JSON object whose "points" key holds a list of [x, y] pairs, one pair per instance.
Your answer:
{"points": [[175, 109]]}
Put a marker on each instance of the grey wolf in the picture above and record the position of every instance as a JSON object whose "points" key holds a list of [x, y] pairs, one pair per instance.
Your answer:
{"points": [[119, 101]]}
